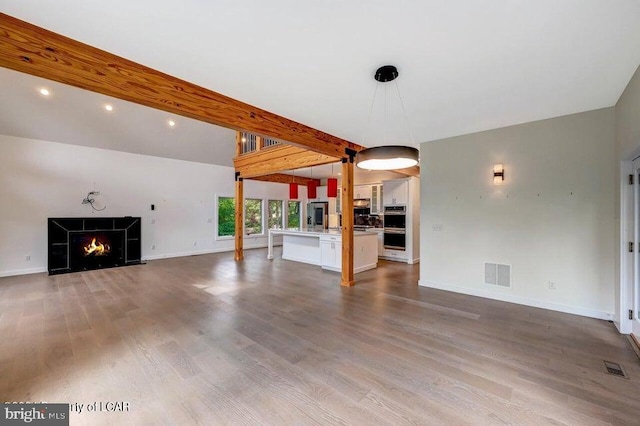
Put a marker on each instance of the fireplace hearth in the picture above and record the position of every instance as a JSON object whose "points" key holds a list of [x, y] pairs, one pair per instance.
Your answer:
{"points": [[82, 244]]}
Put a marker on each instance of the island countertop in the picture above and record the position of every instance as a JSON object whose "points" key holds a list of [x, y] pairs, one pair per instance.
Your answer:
{"points": [[324, 248], [313, 232]]}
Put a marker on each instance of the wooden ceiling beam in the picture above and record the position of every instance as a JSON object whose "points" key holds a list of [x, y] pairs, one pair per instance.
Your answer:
{"points": [[286, 178], [277, 159], [33, 50], [409, 171]]}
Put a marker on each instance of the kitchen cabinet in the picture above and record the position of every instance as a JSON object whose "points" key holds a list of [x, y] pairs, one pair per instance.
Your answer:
{"points": [[396, 192], [377, 206], [362, 191], [380, 235], [331, 253]]}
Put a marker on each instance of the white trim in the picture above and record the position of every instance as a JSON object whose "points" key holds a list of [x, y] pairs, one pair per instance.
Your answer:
{"points": [[283, 218], [365, 268], [263, 217], [215, 222], [199, 252], [414, 261], [22, 272], [508, 297], [622, 321]]}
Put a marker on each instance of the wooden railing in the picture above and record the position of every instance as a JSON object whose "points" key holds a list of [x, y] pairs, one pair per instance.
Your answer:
{"points": [[248, 143]]}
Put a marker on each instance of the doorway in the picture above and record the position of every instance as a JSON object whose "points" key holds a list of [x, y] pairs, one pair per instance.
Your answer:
{"points": [[634, 293]]}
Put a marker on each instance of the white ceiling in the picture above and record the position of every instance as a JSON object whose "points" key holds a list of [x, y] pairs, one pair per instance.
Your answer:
{"points": [[465, 65], [77, 117]]}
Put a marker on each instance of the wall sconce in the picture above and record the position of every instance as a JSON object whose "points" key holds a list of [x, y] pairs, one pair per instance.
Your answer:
{"points": [[498, 174]]}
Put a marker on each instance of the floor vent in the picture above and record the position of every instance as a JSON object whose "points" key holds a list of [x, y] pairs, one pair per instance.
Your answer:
{"points": [[497, 274], [615, 369]]}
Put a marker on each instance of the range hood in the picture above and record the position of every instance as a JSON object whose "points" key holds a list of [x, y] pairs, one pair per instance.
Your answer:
{"points": [[361, 203]]}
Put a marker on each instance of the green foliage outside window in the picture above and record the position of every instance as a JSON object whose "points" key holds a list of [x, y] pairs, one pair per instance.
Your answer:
{"points": [[226, 216], [252, 216], [274, 220], [293, 214]]}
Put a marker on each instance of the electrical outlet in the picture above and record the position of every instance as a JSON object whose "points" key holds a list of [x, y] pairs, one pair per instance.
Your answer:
{"points": [[195, 243], [153, 221], [552, 285], [28, 258], [209, 220], [153, 247], [436, 228]]}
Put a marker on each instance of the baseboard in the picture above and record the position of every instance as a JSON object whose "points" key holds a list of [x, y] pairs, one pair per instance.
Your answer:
{"points": [[414, 261], [300, 259], [635, 344], [144, 258], [199, 252], [22, 272], [575, 310], [365, 268]]}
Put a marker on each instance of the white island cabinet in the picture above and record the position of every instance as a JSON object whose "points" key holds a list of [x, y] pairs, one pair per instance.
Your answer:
{"points": [[324, 248]]}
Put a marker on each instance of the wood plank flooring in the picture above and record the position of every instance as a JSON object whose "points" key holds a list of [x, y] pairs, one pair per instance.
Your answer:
{"points": [[206, 340]]}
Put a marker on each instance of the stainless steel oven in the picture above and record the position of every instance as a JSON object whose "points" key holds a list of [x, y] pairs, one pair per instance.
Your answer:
{"points": [[395, 239], [395, 222]]}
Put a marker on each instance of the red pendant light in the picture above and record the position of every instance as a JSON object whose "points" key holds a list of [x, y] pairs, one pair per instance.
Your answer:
{"points": [[332, 186], [312, 187], [293, 191], [293, 187]]}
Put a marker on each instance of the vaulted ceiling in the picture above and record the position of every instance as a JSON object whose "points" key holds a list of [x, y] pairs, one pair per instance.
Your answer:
{"points": [[464, 65]]}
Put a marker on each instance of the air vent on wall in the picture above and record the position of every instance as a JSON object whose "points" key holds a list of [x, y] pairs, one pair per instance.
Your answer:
{"points": [[497, 274]]}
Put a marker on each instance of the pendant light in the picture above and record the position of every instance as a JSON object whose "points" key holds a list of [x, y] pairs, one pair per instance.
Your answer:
{"points": [[293, 187], [312, 186], [332, 185], [388, 157]]}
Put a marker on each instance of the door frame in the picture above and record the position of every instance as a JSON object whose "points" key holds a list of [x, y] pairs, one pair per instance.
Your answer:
{"points": [[629, 230]]}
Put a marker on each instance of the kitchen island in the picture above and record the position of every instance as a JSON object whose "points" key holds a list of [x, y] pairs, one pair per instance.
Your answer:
{"points": [[324, 248]]}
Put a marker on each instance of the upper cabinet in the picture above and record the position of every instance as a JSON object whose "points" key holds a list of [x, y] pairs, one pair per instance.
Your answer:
{"points": [[396, 192], [362, 191], [376, 199]]}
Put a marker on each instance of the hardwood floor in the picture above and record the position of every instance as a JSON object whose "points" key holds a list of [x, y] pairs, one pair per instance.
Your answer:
{"points": [[206, 340]]}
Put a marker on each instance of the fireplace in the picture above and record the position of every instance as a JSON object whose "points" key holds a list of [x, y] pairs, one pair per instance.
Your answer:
{"points": [[82, 244]]}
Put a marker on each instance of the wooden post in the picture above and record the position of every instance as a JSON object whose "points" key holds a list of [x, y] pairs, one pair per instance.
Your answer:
{"points": [[239, 253], [347, 222], [259, 143], [238, 143]]}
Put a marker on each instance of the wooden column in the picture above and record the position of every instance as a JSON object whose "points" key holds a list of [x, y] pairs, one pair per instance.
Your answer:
{"points": [[239, 253], [238, 144], [347, 222]]}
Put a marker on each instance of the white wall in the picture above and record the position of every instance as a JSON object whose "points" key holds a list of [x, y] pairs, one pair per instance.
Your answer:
{"points": [[552, 220], [42, 179]]}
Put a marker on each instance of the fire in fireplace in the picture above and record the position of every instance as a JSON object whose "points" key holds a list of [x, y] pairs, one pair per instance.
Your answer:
{"points": [[99, 249]]}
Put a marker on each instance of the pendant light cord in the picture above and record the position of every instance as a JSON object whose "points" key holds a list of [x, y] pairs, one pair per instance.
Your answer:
{"points": [[404, 112], [384, 134], [364, 136]]}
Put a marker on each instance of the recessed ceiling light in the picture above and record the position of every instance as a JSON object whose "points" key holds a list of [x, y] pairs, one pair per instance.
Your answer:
{"points": [[171, 123], [44, 92], [108, 107]]}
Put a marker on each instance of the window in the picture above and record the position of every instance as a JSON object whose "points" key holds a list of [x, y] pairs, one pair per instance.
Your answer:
{"points": [[293, 215], [274, 220], [226, 217], [252, 216]]}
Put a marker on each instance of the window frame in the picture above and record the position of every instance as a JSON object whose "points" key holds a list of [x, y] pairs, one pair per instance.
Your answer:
{"points": [[283, 210], [262, 217], [286, 224], [219, 237]]}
